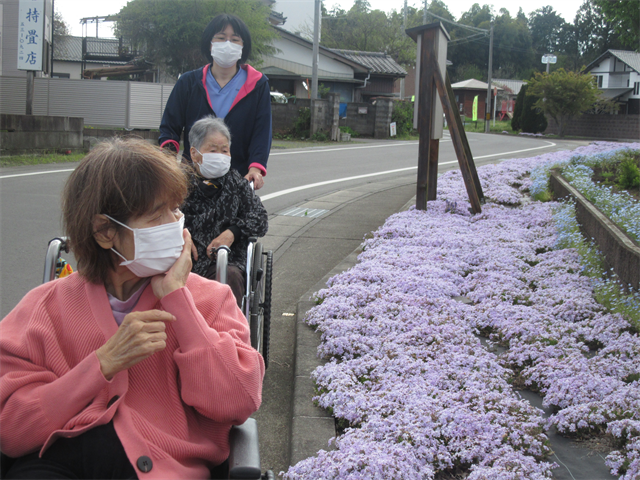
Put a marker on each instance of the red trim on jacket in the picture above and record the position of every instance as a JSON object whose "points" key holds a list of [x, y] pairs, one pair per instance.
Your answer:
{"points": [[177, 145], [259, 167], [252, 79]]}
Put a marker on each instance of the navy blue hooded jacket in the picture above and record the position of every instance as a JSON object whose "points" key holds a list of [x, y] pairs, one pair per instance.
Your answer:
{"points": [[249, 118]]}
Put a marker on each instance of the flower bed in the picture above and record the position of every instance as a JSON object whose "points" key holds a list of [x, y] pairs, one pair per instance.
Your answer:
{"points": [[407, 377]]}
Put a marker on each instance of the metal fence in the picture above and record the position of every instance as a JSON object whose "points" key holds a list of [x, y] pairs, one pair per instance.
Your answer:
{"points": [[113, 104]]}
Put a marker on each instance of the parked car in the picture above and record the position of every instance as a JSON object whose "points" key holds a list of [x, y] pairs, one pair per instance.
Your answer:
{"points": [[277, 97]]}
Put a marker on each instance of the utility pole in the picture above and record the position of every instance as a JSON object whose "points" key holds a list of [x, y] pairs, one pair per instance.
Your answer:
{"points": [[424, 13], [316, 49], [405, 15], [488, 105]]}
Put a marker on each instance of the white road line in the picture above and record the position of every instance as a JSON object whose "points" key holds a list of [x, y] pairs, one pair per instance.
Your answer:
{"points": [[387, 172], [277, 194], [36, 173]]}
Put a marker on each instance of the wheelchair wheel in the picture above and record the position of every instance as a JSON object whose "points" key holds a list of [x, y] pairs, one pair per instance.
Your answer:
{"points": [[255, 299], [266, 308]]}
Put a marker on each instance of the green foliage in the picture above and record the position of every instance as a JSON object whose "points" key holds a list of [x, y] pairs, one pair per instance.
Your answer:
{"points": [[169, 31], [320, 136], [323, 91], [403, 116], [532, 120], [517, 109], [629, 173], [302, 124], [563, 95], [349, 130], [624, 18]]}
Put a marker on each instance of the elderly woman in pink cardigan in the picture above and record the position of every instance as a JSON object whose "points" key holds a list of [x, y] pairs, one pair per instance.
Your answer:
{"points": [[132, 367]]}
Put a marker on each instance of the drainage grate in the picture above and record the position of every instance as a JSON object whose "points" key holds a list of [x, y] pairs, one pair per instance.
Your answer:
{"points": [[303, 212]]}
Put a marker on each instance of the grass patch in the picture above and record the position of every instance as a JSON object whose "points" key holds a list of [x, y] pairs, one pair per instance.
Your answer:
{"points": [[39, 159]]}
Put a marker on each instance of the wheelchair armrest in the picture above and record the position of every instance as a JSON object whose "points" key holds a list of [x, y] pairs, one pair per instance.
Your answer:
{"points": [[244, 457]]}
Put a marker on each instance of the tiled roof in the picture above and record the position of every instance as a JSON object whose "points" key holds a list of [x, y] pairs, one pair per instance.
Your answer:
{"points": [[630, 58], [511, 86], [378, 62]]}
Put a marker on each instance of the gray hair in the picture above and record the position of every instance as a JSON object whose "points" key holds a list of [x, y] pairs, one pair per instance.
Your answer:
{"points": [[206, 126]]}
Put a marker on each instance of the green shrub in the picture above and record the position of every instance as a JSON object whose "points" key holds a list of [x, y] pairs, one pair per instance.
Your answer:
{"points": [[517, 109], [629, 173], [302, 124], [532, 120], [349, 130], [403, 116], [320, 136]]}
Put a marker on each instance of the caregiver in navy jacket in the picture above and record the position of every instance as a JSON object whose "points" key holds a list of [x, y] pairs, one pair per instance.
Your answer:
{"points": [[229, 89]]}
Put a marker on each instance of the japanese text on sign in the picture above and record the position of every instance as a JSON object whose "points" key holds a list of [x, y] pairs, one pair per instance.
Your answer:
{"points": [[31, 21]]}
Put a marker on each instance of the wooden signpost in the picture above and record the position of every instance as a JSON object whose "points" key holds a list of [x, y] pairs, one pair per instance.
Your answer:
{"points": [[434, 97]]}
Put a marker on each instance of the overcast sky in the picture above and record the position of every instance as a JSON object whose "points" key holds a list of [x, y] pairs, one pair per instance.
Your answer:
{"points": [[73, 10]]}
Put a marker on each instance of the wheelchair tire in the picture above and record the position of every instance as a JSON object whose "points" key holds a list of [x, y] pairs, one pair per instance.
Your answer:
{"points": [[266, 308], [255, 298]]}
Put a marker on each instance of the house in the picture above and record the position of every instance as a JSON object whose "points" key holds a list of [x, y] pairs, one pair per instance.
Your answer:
{"points": [[382, 75], [507, 97], [465, 93], [290, 68], [618, 77], [87, 57]]}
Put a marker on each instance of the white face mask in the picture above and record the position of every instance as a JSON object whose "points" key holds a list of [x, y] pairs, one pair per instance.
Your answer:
{"points": [[214, 165], [156, 248], [226, 54]]}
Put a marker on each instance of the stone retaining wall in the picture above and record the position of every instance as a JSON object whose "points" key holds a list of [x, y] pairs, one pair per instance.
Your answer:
{"points": [[620, 252], [38, 133], [626, 127]]}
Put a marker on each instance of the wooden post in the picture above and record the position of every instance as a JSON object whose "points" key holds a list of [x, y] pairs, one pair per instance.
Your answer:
{"points": [[30, 88], [432, 177], [425, 109], [458, 144]]}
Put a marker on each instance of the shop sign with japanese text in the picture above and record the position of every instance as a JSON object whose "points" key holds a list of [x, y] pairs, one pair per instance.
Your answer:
{"points": [[31, 32]]}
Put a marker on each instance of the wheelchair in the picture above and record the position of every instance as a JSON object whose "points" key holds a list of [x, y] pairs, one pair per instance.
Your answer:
{"points": [[244, 453]]}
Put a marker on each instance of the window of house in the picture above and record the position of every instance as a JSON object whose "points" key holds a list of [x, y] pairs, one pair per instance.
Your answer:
{"points": [[636, 88], [600, 81], [60, 75]]}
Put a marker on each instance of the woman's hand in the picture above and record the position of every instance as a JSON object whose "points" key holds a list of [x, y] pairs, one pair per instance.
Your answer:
{"points": [[226, 238], [255, 176], [177, 275], [140, 335]]}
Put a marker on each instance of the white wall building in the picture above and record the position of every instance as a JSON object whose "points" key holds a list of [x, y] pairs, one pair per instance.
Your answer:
{"points": [[618, 76]]}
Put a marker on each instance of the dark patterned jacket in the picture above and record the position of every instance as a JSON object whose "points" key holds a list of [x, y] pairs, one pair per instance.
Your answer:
{"points": [[214, 206]]}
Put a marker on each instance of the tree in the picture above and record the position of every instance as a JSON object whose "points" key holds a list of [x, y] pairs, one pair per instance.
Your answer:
{"points": [[60, 27], [563, 95], [625, 18], [169, 31], [517, 109], [548, 31], [593, 33], [532, 119]]}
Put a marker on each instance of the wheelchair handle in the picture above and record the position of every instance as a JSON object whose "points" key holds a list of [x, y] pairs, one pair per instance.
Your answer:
{"points": [[222, 258], [53, 253]]}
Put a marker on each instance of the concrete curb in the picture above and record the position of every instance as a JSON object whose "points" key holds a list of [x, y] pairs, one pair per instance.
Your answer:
{"points": [[312, 427]]}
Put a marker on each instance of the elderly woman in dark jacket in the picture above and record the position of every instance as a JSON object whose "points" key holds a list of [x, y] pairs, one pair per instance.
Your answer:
{"points": [[222, 208]]}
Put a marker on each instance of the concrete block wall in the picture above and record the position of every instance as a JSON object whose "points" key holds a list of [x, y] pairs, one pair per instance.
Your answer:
{"points": [[624, 127], [363, 123], [284, 115], [33, 133], [384, 109]]}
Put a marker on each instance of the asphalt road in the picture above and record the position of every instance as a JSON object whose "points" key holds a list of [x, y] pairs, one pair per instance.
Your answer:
{"points": [[30, 217], [30, 196]]}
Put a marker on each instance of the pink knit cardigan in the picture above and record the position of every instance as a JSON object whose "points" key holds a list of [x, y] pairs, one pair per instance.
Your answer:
{"points": [[175, 407]]}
